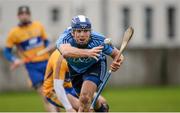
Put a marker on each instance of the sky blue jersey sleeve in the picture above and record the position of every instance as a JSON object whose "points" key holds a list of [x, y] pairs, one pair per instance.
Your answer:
{"points": [[99, 40], [108, 49], [63, 38], [59, 41]]}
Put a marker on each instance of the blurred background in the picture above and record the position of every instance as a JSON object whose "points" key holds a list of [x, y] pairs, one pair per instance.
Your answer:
{"points": [[149, 79]]}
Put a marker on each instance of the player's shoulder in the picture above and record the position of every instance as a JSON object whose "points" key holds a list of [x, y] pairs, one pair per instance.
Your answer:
{"points": [[97, 36], [66, 35], [14, 29], [67, 32], [56, 58], [55, 54]]}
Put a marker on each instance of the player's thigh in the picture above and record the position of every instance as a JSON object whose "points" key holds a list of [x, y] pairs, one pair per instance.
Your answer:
{"points": [[96, 72]]}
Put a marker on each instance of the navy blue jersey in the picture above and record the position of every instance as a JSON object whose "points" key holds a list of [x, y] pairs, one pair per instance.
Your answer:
{"points": [[80, 65]]}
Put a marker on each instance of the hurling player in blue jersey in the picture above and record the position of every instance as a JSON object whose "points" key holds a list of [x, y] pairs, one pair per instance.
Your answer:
{"points": [[85, 53]]}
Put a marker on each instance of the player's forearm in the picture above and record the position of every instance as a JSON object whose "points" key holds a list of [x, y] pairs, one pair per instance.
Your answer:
{"points": [[8, 54], [75, 53], [69, 51], [114, 53], [61, 94]]}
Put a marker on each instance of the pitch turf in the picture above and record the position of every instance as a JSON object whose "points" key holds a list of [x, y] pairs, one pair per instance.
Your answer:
{"points": [[123, 99]]}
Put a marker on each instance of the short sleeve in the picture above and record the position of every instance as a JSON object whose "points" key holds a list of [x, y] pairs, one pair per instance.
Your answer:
{"points": [[108, 49], [10, 42]]}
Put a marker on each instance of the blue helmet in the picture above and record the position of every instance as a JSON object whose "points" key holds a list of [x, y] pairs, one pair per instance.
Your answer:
{"points": [[80, 22]]}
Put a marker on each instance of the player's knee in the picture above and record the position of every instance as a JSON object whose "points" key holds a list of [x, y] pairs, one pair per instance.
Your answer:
{"points": [[103, 108], [85, 98], [85, 102]]}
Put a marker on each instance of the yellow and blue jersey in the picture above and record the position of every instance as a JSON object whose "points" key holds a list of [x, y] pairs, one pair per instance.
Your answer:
{"points": [[56, 69], [80, 65], [29, 40]]}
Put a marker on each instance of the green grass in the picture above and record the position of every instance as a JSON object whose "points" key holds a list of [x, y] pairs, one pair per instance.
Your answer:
{"points": [[122, 99], [144, 99], [20, 101]]}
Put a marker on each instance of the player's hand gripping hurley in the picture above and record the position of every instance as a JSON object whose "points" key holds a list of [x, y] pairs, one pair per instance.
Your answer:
{"points": [[126, 38]]}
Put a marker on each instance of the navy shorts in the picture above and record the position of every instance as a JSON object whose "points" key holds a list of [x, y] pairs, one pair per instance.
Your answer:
{"points": [[36, 72], [95, 74]]}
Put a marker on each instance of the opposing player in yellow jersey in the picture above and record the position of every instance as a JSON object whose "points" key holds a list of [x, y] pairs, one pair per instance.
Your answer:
{"points": [[57, 84], [29, 37]]}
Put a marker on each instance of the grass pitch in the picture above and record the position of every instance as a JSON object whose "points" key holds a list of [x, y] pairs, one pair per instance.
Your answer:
{"points": [[120, 99]]}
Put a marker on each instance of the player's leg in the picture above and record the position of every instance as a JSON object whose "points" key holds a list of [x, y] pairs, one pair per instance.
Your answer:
{"points": [[86, 95], [36, 73], [72, 97], [77, 81], [92, 79], [90, 83], [48, 106], [101, 105]]}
